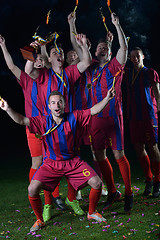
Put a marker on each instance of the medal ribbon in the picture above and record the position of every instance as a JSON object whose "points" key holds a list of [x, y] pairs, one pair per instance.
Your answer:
{"points": [[49, 131], [94, 79], [134, 77], [60, 77]]}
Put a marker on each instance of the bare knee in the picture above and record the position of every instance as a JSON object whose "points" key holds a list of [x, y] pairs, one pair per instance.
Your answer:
{"points": [[95, 182], [100, 155], [34, 188]]}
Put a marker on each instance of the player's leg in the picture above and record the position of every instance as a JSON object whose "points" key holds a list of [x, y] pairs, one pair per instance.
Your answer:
{"points": [[155, 163]]}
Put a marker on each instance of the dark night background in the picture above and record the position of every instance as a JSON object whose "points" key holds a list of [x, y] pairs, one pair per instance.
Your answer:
{"points": [[19, 19]]}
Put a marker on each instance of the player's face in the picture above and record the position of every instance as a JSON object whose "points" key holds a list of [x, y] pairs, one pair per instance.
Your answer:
{"points": [[56, 58], [71, 57], [56, 105], [137, 57], [39, 63], [103, 51]]}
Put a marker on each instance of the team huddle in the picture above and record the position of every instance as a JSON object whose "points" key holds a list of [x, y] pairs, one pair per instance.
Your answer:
{"points": [[66, 107]]}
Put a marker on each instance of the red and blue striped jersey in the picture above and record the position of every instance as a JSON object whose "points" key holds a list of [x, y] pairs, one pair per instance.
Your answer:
{"points": [[33, 106], [82, 95], [49, 81], [61, 144], [103, 83], [141, 102]]}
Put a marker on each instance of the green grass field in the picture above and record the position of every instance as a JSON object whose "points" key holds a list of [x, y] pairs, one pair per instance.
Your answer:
{"points": [[16, 216]]}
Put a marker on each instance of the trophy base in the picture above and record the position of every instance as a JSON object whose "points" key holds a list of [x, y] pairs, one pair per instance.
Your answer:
{"points": [[29, 53]]}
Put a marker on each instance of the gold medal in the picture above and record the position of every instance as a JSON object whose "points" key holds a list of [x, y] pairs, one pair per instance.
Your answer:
{"points": [[89, 85], [38, 135]]}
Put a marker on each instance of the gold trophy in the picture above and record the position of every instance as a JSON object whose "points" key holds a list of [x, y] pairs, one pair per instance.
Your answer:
{"points": [[43, 35]]}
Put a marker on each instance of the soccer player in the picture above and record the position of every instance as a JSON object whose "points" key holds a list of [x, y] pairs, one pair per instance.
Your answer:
{"points": [[143, 105], [82, 97], [33, 108], [60, 134], [55, 78], [107, 127]]}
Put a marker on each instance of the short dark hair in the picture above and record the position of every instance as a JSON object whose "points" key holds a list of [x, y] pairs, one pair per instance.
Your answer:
{"points": [[103, 40], [55, 93], [136, 49]]}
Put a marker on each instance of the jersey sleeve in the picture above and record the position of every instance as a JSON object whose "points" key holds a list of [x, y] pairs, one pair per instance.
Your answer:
{"points": [[153, 76], [24, 80], [84, 117], [37, 124], [72, 73]]}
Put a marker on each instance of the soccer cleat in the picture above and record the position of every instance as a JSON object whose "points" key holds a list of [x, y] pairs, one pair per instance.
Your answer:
{"points": [[79, 195], [47, 212], [75, 205], [156, 189], [59, 203], [128, 202], [148, 187], [37, 225], [111, 199], [96, 216]]}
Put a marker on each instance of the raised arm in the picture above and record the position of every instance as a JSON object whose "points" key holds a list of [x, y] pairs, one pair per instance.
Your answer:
{"points": [[17, 117], [86, 60], [72, 28], [9, 61], [32, 68], [123, 50], [97, 108]]}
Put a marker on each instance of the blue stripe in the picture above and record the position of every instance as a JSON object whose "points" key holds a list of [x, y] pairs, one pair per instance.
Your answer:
{"points": [[109, 79], [63, 142], [78, 97], [99, 92], [34, 95], [48, 92], [148, 96], [70, 99], [118, 133], [72, 121], [89, 101], [150, 103], [49, 140]]}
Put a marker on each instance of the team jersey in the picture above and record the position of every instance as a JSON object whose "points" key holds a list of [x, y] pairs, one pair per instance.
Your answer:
{"points": [[60, 144], [82, 95], [141, 102], [33, 105], [101, 80], [49, 81]]}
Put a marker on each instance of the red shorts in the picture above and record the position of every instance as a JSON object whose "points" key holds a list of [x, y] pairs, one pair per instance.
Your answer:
{"points": [[34, 144], [143, 131], [107, 133], [75, 170], [86, 140]]}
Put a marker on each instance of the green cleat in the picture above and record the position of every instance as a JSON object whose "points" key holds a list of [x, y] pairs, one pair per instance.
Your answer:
{"points": [[75, 205], [47, 212]]}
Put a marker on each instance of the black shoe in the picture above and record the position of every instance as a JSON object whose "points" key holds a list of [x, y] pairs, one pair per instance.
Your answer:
{"points": [[111, 199], [156, 189], [128, 202], [148, 187], [59, 203]]}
